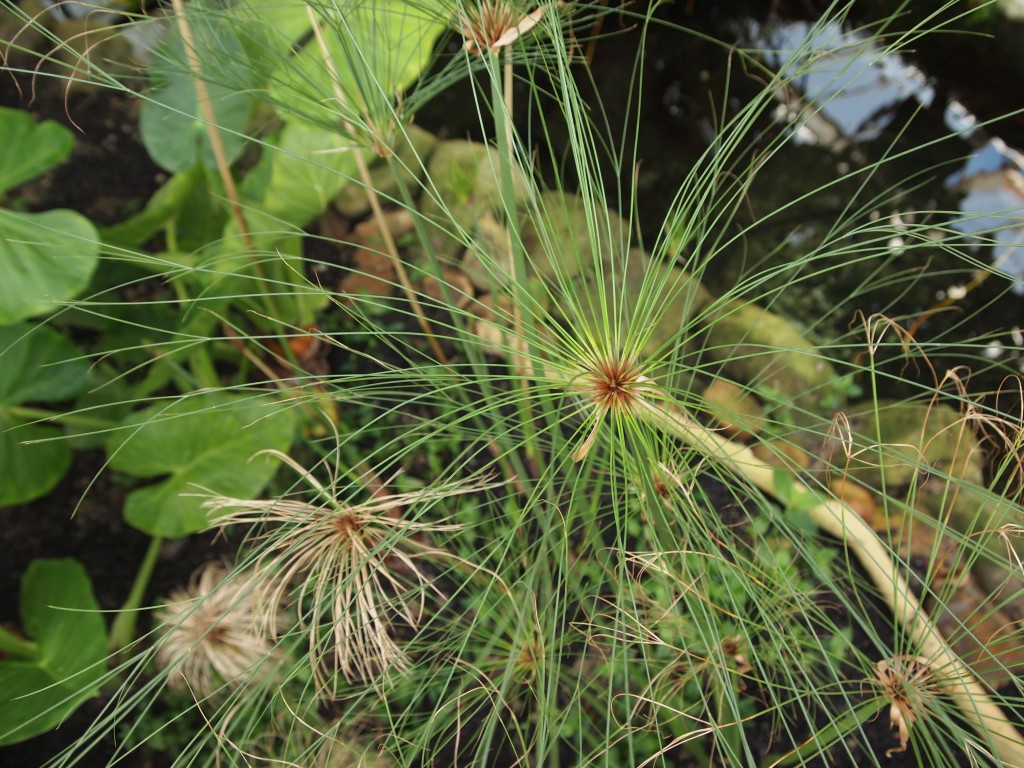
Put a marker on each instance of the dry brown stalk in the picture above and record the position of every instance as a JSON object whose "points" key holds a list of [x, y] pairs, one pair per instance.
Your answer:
{"points": [[206, 106], [371, 195]]}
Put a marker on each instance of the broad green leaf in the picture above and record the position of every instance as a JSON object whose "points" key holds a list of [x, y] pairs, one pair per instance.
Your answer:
{"points": [[45, 259], [106, 398], [37, 366], [306, 174], [61, 615], [282, 20], [28, 148], [297, 176], [293, 183], [59, 611], [33, 459], [182, 202], [171, 121], [202, 442], [378, 48]]}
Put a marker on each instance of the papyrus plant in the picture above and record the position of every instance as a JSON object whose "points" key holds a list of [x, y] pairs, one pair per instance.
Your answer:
{"points": [[537, 621]]}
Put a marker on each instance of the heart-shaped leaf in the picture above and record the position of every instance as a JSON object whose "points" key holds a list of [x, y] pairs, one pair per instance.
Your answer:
{"points": [[28, 148], [377, 50], [60, 615], [171, 121], [206, 441], [292, 183], [306, 175], [45, 259], [34, 458], [37, 365]]}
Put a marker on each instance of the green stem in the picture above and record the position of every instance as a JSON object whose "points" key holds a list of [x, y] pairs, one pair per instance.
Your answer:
{"points": [[201, 365], [122, 630], [501, 110], [829, 735], [72, 419], [11, 644]]}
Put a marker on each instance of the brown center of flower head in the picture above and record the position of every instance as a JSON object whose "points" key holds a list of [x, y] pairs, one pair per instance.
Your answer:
{"points": [[909, 683], [612, 385], [493, 24], [217, 635], [346, 523]]}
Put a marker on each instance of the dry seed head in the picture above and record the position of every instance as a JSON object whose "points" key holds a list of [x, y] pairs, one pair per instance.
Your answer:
{"points": [[490, 25], [213, 634], [910, 683], [356, 569]]}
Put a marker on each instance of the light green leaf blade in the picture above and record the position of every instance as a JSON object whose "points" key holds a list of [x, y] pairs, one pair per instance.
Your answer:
{"points": [[59, 610], [378, 49], [37, 365], [61, 614], [294, 183], [31, 469], [45, 259], [28, 148], [307, 174], [291, 185], [206, 441], [171, 120], [283, 20]]}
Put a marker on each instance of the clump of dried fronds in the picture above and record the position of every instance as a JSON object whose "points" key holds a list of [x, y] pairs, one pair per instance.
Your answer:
{"points": [[490, 25], [355, 567], [213, 634], [911, 684]]}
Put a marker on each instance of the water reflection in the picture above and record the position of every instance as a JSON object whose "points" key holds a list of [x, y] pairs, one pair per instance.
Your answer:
{"points": [[850, 94]]}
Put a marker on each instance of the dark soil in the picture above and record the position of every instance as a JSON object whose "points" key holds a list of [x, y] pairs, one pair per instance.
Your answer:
{"points": [[109, 175], [82, 519]]}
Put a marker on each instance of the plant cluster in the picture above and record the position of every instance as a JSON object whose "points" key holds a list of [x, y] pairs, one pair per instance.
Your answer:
{"points": [[507, 479]]}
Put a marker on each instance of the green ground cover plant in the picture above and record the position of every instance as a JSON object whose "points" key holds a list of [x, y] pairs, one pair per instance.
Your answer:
{"points": [[507, 477], [38, 363]]}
